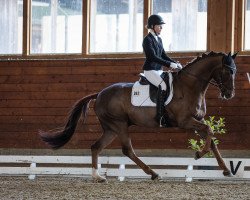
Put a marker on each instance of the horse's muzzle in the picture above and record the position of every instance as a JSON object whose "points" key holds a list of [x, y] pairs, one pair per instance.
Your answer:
{"points": [[227, 94]]}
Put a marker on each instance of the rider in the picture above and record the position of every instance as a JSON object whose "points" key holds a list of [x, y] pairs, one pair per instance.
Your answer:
{"points": [[156, 58]]}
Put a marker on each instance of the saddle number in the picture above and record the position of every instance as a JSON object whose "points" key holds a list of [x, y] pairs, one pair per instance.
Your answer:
{"points": [[137, 93]]}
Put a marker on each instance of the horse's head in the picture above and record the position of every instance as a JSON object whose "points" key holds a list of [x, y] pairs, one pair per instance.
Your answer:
{"points": [[225, 75]]}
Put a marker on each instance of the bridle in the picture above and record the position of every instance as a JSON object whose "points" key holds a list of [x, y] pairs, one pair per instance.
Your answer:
{"points": [[218, 84]]}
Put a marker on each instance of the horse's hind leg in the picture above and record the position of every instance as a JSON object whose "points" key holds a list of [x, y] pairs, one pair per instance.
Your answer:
{"points": [[226, 171], [96, 148]]}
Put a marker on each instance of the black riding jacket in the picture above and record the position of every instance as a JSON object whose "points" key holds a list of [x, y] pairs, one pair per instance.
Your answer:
{"points": [[155, 54]]}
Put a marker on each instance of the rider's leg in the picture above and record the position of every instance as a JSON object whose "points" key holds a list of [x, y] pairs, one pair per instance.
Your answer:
{"points": [[155, 78]]}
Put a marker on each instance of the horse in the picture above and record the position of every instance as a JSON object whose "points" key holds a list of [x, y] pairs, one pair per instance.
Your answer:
{"points": [[186, 110]]}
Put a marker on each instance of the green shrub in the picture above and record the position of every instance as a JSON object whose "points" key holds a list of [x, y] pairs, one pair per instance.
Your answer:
{"points": [[217, 126]]}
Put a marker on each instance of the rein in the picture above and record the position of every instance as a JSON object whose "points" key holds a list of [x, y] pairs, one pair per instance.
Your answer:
{"points": [[202, 80]]}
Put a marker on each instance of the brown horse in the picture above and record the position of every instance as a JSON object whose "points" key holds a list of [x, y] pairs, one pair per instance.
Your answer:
{"points": [[186, 110]]}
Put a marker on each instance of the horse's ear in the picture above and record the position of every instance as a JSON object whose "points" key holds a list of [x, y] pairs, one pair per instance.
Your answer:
{"points": [[234, 56], [229, 54]]}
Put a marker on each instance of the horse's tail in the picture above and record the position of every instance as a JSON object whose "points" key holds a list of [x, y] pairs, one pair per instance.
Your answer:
{"points": [[59, 138]]}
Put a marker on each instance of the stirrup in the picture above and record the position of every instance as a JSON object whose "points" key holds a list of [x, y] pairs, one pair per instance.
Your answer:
{"points": [[161, 124]]}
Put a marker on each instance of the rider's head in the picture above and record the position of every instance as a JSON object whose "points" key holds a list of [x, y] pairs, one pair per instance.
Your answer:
{"points": [[155, 23]]}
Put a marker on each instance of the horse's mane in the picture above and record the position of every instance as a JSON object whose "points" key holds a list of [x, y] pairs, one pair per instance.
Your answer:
{"points": [[203, 56]]}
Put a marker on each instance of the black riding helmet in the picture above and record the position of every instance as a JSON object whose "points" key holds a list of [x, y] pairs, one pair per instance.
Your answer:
{"points": [[154, 20]]}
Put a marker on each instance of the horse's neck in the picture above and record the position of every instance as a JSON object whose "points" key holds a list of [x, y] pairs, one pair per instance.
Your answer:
{"points": [[205, 67], [199, 74]]}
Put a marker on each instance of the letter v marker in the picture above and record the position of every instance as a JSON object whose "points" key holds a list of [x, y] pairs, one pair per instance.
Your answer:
{"points": [[234, 171]]}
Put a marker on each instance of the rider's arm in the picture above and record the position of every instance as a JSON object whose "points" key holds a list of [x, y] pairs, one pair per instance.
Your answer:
{"points": [[174, 64], [151, 55], [164, 55]]}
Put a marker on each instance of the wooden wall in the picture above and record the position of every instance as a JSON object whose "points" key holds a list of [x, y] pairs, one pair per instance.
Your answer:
{"points": [[38, 95]]}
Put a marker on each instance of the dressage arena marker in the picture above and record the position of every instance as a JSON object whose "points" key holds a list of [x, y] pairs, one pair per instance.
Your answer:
{"points": [[122, 167]]}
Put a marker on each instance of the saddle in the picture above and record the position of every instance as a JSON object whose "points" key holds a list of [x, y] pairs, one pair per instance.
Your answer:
{"points": [[145, 94]]}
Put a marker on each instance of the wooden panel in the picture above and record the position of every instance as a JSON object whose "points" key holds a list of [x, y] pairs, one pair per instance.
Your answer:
{"points": [[66, 78], [39, 94], [221, 25]]}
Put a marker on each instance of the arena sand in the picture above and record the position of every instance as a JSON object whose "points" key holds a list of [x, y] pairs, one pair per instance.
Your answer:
{"points": [[52, 188]]}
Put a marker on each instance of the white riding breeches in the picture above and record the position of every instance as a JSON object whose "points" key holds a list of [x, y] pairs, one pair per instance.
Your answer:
{"points": [[154, 77]]}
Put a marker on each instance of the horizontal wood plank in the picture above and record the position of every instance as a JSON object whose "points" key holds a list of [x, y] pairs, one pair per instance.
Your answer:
{"points": [[38, 95]]}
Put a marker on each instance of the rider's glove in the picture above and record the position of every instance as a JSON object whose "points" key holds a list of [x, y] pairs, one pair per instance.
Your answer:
{"points": [[179, 66], [174, 65]]}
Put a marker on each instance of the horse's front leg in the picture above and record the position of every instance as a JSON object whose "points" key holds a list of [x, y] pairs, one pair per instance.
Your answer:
{"points": [[226, 171], [203, 130], [121, 129], [214, 148], [127, 150]]}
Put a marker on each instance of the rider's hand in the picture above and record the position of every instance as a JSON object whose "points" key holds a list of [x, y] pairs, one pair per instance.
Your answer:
{"points": [[174, 67], [179, 66]]}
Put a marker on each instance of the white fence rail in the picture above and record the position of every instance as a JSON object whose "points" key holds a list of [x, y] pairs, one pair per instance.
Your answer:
{"points": [[121, 167]]}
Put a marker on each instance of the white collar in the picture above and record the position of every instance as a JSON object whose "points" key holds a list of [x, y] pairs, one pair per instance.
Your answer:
{"points": [[153, 33]]}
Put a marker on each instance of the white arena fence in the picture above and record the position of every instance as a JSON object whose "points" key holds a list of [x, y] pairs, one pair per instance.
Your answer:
{"points": [[122, 167]]}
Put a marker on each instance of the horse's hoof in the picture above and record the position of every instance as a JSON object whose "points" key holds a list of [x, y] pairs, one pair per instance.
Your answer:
{"points": [[156, 177], [100, 180], [197, 155], [227, 174]]}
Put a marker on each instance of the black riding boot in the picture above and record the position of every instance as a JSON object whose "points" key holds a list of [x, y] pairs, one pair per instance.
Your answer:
{"points": [[160, 108]]}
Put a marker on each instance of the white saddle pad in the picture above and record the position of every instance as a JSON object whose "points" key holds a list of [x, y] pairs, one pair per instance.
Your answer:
{"points": [[140, 94]]}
